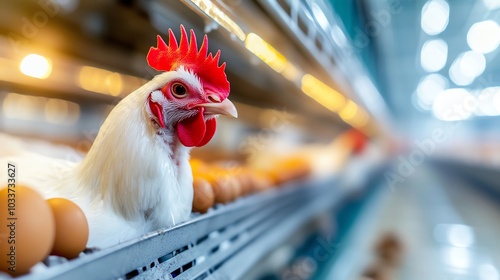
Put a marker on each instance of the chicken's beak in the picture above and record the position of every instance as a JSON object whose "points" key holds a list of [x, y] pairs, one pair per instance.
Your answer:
{"points": [[225, 108]]}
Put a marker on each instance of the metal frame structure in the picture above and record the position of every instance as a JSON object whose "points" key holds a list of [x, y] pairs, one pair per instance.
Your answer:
{"points": [[222, 244], [331, 49]]}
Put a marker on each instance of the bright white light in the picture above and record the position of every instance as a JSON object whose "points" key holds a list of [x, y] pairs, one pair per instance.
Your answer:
{"points": [[484, 36], [429, 87], [487, 271], [488, 102], [466, 67], [454, 105], [338, 36], [435, 16], [457, 257], [496, 102], [460, 235], [483, 104], [434, 55], [320, 16], [472, 64], [492, 4], [418, 104], [36, 66]]}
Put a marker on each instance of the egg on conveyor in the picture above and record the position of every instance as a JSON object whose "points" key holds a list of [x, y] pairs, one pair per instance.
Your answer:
{"points": [[72, 228], [27, 229], [204, 196]]}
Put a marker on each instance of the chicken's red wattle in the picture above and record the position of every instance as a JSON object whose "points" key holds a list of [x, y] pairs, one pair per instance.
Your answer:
{"points": [[195, 131]]}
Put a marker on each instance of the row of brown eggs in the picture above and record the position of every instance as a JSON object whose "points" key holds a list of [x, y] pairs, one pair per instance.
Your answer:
{"points": [[213, 183], [32, 228]]}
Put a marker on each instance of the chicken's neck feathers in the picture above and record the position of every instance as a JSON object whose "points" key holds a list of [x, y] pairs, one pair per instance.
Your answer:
{"points": [[135, 170]]}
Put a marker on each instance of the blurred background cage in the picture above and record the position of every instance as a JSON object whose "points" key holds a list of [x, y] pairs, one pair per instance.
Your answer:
{"points": [[393, 104]]}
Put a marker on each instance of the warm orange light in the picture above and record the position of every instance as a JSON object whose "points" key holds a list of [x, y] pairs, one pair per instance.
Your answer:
{"points": [[100, 80], [266, 52], [114, 83], [359, 119], [36, 66], [271, 56], [349, 111], [322, 93]]}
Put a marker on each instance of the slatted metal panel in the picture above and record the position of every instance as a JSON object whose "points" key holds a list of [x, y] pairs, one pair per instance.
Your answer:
{"points": [[222, 244]]}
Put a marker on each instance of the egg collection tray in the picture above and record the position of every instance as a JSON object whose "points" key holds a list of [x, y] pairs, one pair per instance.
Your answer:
{"points": [[221, 244]]}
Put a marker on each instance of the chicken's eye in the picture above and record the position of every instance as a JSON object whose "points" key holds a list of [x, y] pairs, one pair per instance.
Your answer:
{"points": [[179, 90]]}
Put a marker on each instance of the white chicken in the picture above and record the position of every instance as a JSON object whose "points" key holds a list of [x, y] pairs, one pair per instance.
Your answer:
{"points": [[136, 177]]}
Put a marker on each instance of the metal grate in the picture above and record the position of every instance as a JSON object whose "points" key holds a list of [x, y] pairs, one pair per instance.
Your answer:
{"points": [[222, 244]]}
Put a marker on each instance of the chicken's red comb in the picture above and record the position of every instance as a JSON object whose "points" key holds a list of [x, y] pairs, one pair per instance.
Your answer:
{"points": [[170, 58]]}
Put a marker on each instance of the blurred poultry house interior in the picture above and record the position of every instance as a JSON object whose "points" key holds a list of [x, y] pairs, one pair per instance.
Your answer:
{"points": [[398, 100], [95, 55]]}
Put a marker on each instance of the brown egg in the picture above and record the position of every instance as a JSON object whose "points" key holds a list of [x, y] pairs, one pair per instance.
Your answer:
{"points": [[223, 189], [221, 184], [272, 175], [72, 228], [204, 196], [27, 229], [237, 187], [289, 169], [243, 176], [390, 249]]}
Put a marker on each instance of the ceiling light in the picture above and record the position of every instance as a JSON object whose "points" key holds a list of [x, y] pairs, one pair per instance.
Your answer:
{"points": [[271, 57], [429, 87], [418, 104], [323, 94], [435, 16], [454, 105], [466, 67], [484, 36], [488, 102], [460, 258], [338, 36], [472, 64], [492, 4], [434, 55], [460, 235], [349, 111], [101, 80], [265, 52], [320, 16], [36, 66], [353, 115]]}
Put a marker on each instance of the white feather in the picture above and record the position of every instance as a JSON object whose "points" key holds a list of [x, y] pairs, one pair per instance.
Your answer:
{"points": [[189, 77], [135, 178]]}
